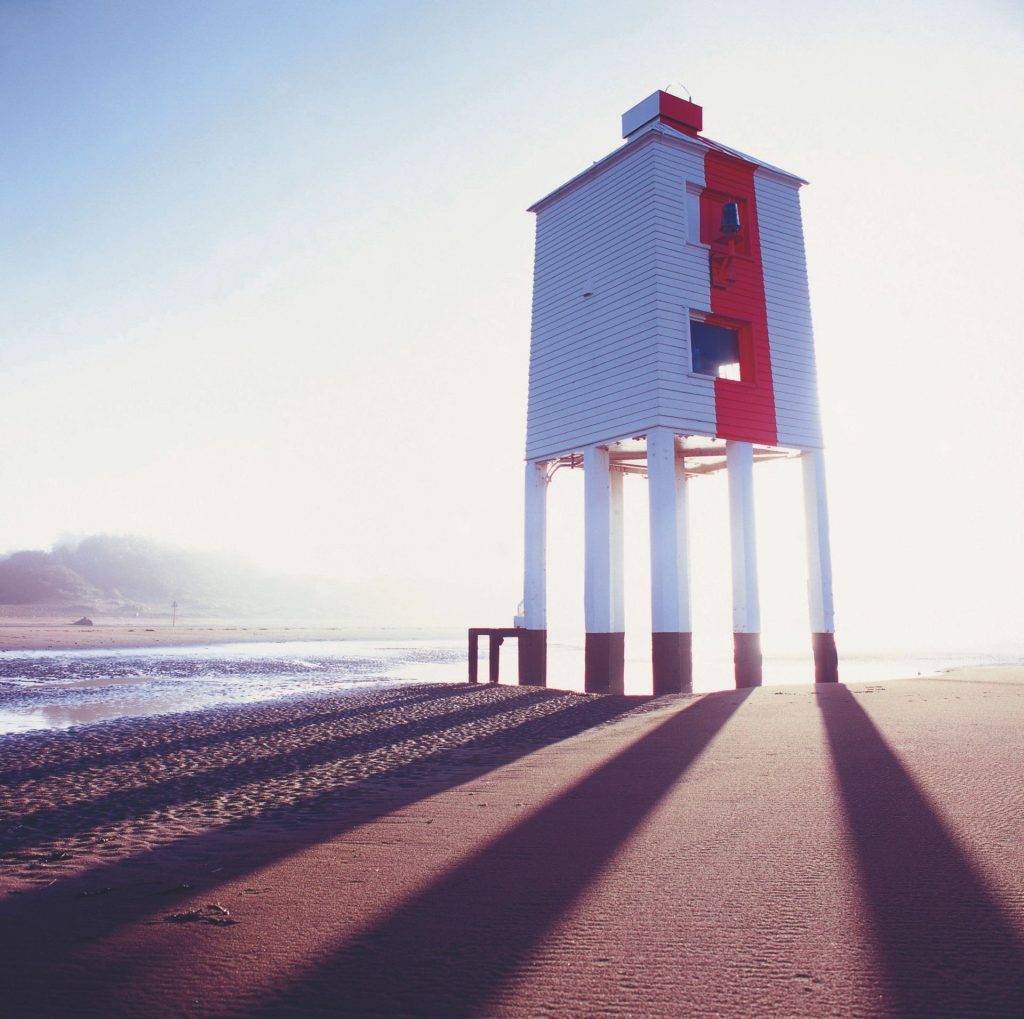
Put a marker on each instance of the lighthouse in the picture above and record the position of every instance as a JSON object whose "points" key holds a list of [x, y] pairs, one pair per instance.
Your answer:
{"points": [[671, 337]]}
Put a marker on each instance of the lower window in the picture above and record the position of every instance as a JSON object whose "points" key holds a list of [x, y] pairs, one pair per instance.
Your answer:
{"points": [[715, 350]]}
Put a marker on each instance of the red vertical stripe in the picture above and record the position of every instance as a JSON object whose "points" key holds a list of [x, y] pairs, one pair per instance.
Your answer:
{"points": [[745, 409]]}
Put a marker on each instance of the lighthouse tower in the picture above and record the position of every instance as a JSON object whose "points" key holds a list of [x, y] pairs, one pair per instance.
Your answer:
{"points": [[671, 338]]}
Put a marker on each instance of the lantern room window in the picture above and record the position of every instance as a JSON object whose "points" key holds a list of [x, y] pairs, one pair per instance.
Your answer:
{"points": [[716, 349]]}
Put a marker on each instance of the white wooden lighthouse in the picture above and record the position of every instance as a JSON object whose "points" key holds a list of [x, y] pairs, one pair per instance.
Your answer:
{"points": [[671, 337]]}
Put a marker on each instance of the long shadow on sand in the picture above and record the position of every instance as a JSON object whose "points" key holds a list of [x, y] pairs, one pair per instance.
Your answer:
{"points": [[946, 946], [56, 923], [451, 949], [198, 778]]}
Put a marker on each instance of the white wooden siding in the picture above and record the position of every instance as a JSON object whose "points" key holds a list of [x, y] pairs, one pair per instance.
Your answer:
{"points": [[687, 402], [616, 363], [794, 374], [592, 365]]}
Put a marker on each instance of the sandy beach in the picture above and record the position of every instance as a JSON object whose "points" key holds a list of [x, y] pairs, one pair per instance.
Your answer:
{"points": [[443, 850]]}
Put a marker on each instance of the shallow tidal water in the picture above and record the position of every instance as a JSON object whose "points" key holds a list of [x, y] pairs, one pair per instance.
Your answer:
{"points": [[60, 689]]}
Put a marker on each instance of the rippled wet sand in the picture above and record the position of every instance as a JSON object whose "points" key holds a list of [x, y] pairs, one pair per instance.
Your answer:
{"points": [[130, 784]]}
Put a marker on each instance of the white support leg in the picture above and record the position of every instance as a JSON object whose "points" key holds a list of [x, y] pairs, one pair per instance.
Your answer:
{"points": [[604, 645], [597, 568], [533, 638], [617, 534], [746, 608], [535, 548], [671, 637], [819, 567]]}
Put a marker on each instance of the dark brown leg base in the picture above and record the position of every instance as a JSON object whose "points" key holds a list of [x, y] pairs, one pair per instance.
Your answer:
{"points": [[672, 658], [746, 648], [826, 658], [533, 657], [604, 663]]}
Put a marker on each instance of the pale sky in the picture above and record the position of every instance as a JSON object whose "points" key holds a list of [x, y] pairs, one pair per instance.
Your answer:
{"points": [[267, 275]]}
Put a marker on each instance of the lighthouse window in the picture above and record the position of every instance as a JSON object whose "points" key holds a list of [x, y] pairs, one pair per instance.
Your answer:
{"points": [[714, 350], [693, 216]]}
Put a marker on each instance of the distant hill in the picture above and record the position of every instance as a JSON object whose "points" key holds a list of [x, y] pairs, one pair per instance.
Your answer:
{"points": [[125, 574], [30, 577]]}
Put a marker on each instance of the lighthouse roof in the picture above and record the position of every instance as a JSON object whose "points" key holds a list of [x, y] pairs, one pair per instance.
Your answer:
{"points": [[666, 119]]}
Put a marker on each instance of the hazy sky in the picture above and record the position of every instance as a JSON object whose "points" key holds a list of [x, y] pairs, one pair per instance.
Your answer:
{"points": [[266, 285]]}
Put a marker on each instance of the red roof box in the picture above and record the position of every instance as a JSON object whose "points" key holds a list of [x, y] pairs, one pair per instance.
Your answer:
{"points": [[667, 109]]}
